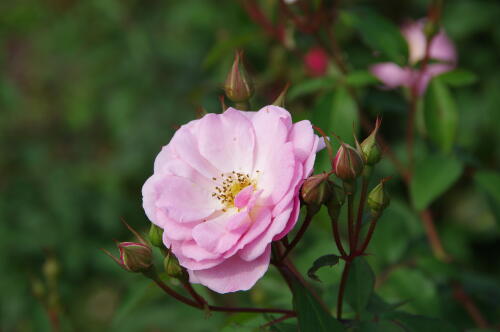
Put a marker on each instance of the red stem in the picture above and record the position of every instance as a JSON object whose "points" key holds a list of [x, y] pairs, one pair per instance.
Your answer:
{"points": [[300, 233], [343, 283], [350, 221], [191, 303], [368, 235], [336, 235], [359, 221]]}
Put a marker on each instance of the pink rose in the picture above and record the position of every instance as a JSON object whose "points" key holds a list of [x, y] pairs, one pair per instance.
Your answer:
{"points": [[225, 187], [442, 54]]}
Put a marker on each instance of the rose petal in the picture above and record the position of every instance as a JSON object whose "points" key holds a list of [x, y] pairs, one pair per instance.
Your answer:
{"points": [[234, 274]]}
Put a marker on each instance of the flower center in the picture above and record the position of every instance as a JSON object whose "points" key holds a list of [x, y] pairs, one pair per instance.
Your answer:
{"points": [[232, 184]]}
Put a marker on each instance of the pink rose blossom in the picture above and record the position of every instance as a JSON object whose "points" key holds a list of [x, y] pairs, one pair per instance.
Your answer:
{"points": [[442, 54], [225, 187], [316, 61]]}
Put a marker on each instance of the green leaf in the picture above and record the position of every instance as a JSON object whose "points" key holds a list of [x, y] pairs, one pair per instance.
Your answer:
{"points": [[326, 260], [441, 116], [360, 284], [311, 315], [378, 33], [433, 176], [360, 78], [417, 323], [380, 326], [458, 77], [489, 182], [309, 86]]}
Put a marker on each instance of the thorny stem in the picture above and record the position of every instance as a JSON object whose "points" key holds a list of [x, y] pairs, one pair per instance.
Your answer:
{"points": [[300, 233]]}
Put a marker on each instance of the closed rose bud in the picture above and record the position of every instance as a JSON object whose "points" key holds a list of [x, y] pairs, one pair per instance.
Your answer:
{"points": [[378, 199], [348, 163], [315, 191], [156, 236], [135, 257], [370, 148], [238, 86], [173, 268]]}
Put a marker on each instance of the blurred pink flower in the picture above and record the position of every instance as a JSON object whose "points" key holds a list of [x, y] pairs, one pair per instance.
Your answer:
{"points": [[225, 187], [442, 56], [316, 61]]}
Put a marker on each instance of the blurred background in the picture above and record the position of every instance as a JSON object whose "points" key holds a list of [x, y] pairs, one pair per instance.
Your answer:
{"points": [[91, 90]]}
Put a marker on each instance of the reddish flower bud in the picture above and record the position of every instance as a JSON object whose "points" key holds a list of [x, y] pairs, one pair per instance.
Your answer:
{"points": [[315, 191], [134, 256], [348, 163], [369, 147], [238, 86], [316, 62]]}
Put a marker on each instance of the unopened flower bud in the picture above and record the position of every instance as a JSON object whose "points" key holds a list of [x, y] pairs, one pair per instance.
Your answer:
{"points": [[174, 269], [135, 257], [156, 236], [51, 270], [378, 199], [280, 100], [369, 147], [348, 163], [315, 191], [238, 86]]}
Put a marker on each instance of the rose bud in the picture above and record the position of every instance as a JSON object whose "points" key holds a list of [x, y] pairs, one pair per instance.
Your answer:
{"points": [[238, 86], [378, 199], [315, 191], [370, 149], [173, 268], [134, 256], [156, 236], [348, 163]]}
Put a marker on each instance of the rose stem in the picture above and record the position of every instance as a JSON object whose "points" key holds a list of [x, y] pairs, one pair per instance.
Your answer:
{"points": [[191, 303], [343, 282], [362, 201], [300, 233]]}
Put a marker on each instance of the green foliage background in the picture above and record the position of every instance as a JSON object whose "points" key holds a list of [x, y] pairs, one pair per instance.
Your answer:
{"points": [[90, 91]]}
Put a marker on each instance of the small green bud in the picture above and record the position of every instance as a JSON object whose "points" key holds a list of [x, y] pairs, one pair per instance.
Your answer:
{"points": [[378, 199], [238, 86], [51, 269], [38, 288], [280, 100], [370, 149], [348, 163], [315, 191], [174, 269], [156, 236]]}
